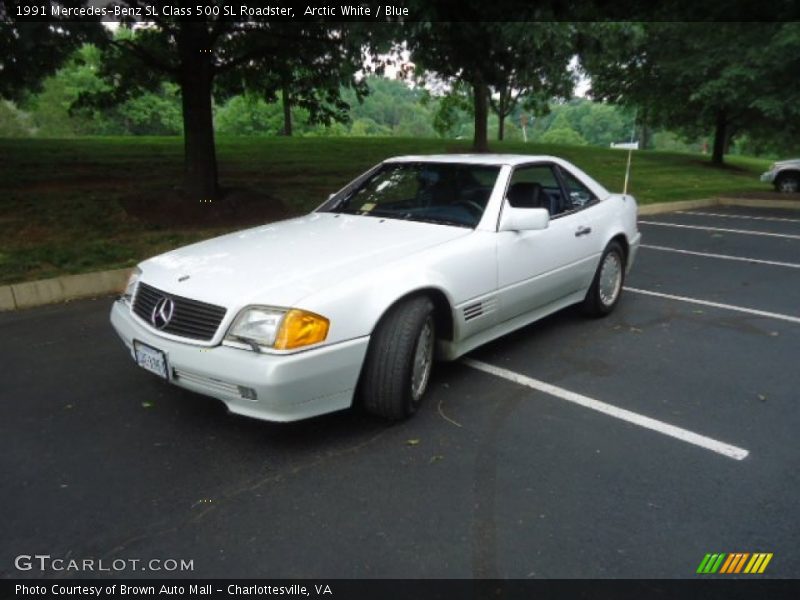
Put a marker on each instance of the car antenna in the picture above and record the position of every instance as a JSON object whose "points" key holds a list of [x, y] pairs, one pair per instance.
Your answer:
{"points": [[630, 154]]}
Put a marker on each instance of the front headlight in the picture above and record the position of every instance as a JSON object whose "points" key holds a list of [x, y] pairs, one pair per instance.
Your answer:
{"points": [[278, 328], [130, 287], [258, 324]]}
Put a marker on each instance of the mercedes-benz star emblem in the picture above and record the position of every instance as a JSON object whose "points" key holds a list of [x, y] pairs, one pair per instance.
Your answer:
{"points": [[162, 313]]}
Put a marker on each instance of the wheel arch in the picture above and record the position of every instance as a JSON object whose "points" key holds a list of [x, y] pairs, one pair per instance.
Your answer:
{"points": [[622, 240], [443, 324], [784, 173], [442, 309]]}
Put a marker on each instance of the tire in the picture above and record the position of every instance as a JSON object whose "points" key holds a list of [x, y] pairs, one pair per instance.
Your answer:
{"points": [[606, 289], [399, 360], [788, 183]]}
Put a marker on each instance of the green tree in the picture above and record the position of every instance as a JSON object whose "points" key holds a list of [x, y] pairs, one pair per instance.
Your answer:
{"points": [[30, 51], [452, 110], [13, 121], [599, 123], [730, 79], [248, 115], [153, 113], [489, 55], [563, 134], [53, 109], [193, 54], [393, 105], [365, 126], [55, 113], [309, 72], [540, 75]]}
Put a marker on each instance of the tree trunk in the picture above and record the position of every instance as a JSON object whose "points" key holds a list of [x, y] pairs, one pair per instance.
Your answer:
{"points": [[720, 135], [501, 110], [644, 131], [286, 99], [644, 137], [480, 93], [196, 77], [729, 133]]}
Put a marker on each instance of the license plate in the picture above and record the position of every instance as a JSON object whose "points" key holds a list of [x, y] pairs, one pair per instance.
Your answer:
{"points": [[152, 359]]}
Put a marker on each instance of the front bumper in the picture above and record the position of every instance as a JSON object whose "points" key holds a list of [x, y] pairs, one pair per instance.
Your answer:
{"points": [[287, 387], [768, 177]]}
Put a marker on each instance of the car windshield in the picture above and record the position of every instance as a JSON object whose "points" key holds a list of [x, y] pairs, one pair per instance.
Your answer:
{"points": [[445, 193]]}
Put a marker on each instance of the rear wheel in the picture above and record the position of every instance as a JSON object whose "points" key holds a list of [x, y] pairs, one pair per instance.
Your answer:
{"points": [[399, 361], [788, 183], [606, 288]]}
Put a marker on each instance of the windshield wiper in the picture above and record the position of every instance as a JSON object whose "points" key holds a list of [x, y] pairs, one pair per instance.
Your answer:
{"points": [[404, 216], [436, 221]]}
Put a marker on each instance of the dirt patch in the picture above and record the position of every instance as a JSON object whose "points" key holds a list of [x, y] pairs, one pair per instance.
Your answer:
{"points": [[233, 207]]}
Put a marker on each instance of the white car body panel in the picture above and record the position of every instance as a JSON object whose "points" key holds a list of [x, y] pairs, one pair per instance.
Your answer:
{"points": [[352, 269], [282, 263], [782, 169], [532, 273], [791, 164]]}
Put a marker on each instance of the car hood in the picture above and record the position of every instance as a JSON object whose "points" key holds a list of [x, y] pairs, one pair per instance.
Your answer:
{"points": [[280, 263], [788, 162]]}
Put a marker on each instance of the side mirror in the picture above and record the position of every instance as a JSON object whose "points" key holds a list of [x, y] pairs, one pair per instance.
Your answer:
{"points": [[524, 219]]}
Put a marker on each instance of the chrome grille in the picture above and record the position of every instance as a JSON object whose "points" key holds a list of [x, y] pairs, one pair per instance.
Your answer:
{"points": [[191, 319]]}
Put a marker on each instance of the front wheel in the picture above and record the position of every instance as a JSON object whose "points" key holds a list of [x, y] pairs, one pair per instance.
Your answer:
{"points": [[789, 183], [399, 361], [606, 288]]}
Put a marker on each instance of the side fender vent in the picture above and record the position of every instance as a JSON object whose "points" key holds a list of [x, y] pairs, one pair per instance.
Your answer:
{"points": [[479, 309]]}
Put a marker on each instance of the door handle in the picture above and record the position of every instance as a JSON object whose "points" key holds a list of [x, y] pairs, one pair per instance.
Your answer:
{"points": [[583, 231]]}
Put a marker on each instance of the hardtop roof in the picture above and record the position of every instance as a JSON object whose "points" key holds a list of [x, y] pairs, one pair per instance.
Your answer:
{"points": [[477, 159]]}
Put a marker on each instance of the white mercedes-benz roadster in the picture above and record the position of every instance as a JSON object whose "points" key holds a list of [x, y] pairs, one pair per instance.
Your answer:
{"points": [[421, 257]]}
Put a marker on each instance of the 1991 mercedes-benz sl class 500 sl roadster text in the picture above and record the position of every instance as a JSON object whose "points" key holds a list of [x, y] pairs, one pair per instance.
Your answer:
{"points": [[421, 257]]}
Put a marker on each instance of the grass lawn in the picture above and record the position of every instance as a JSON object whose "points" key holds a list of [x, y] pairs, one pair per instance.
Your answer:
{"points": [[60, 209]]}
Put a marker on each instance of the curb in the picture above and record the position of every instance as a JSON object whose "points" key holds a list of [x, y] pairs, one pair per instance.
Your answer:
{"points": [[665, 207], [62, 289], [102, 283], [772, 203]]}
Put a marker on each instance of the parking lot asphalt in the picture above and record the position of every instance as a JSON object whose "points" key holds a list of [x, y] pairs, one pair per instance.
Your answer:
{"points": [[493, 478]]}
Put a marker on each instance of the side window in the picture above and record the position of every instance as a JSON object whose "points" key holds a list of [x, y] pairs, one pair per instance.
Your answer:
{"points": [[579, 194], [535, 187]]}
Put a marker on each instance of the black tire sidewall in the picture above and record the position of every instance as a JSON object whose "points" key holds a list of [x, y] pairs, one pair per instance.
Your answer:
{"points": [[593, 304], [787, 177], [386, 382]]}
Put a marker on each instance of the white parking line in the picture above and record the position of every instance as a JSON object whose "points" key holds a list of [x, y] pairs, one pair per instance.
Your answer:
{"points": [[722, 229], [685, 435], [741, 309], [732, 216], [774, 263]]}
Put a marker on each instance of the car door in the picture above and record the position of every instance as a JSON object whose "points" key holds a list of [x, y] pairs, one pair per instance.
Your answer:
{"points": [[589, 217], [537, 268]]}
